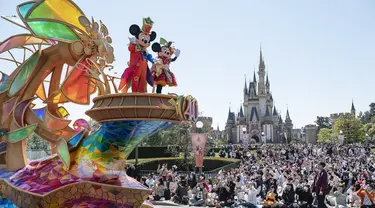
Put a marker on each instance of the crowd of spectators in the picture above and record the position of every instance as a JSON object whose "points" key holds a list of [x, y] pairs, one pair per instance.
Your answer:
{"points": [[290, 176]]}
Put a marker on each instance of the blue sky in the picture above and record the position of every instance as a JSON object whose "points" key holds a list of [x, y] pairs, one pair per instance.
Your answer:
{"points": [[319, 54]]}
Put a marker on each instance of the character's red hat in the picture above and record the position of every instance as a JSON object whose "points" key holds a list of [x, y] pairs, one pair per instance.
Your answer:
{"points": [[147, 25]]}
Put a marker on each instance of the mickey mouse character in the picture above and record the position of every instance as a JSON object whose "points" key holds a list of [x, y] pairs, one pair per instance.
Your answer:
{"points": [[138, 73], [160, 70]]}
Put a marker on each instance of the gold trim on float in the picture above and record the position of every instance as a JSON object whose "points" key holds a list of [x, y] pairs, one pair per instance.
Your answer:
{"points": [[133, 107], [140, 119], [134, 95], [28, 102], [7, 117]]}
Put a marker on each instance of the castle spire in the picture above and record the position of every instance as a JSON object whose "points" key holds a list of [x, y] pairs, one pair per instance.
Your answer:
{"points": [[245, 88], [267, 81], [267, 111], [261, 61], [274, 111], [241, 113], [254, 77], [352, 110]]}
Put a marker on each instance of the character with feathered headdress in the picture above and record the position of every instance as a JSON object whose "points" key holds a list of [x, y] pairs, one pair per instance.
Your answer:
{"points": [[160, 69], [137, 75]]}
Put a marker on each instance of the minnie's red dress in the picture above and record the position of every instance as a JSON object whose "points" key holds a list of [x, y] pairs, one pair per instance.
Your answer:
{"points": [[166, 77]]}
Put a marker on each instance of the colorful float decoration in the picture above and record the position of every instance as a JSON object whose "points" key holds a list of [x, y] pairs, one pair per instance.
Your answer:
{"points": [[72, 52]]}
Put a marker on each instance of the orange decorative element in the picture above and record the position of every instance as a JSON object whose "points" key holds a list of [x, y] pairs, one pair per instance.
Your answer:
{"points": [[41, 92], [57, 98], [54, 123], [76, 86]]}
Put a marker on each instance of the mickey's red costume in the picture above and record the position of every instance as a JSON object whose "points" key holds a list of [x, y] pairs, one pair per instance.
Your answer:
{"points": [[161, 71]]}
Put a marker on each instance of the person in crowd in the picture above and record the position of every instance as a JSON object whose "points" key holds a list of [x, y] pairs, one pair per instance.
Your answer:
{"points": [[181, 196], [320, 185], [159, 190]]}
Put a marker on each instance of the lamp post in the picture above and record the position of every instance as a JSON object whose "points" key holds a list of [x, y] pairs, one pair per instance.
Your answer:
{"points": [[263, 138], [340, 138], [199, 126], [244, 130]]}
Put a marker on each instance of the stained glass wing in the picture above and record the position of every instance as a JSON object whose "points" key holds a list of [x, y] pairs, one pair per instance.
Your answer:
{"points": [[24, 8], [63, 152], [62, 11], [41, 92], [57, 97], [4, 77], [63, 112], [23, 74], [40, 112], [53, 30], [20, 134], [4, 85], [76, 87], [3, 147], [15, 20], [75, 140], [20, 40]]}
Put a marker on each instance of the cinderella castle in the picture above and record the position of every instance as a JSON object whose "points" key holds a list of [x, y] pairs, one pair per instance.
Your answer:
{"points": [[258, 117]]}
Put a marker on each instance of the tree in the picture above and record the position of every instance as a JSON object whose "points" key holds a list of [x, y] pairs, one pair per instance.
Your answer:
{"points": [[94, 125], [372, 109], [351, 127], [365, 117], [323, 122], [35, 142], [325, 135]]}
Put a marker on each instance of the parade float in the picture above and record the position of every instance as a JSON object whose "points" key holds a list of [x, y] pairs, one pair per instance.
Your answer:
{"points": [[86, 168]]}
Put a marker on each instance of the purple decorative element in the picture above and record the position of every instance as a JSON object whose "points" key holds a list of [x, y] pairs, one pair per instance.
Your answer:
{"points": [[44, 176], [52, 42]]}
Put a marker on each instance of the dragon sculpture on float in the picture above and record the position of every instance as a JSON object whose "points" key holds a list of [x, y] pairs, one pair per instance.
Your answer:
{"points": [[86, 168]]}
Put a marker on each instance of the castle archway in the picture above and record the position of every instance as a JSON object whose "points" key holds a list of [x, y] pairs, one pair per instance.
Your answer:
{"points": [[256, 138]]}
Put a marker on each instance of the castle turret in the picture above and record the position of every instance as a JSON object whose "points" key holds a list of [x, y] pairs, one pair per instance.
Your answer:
{"points": [[254, 78], [352, 110], [268, 86], [261, 73], [245, 90], [288, 123], [274, 111]]}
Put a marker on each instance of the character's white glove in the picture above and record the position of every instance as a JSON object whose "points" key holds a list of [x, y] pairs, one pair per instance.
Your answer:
{"points": [[177, 52], [133, 40]]}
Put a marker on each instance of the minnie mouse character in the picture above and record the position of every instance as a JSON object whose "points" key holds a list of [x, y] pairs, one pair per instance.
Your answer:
{"points": [[160, 70], [138, 73]]}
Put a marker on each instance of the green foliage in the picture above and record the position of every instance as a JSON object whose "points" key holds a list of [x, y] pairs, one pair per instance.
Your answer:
{"points": [[323, 122], [325, 135], [351, 127], [209, 163], [34, 142]]}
